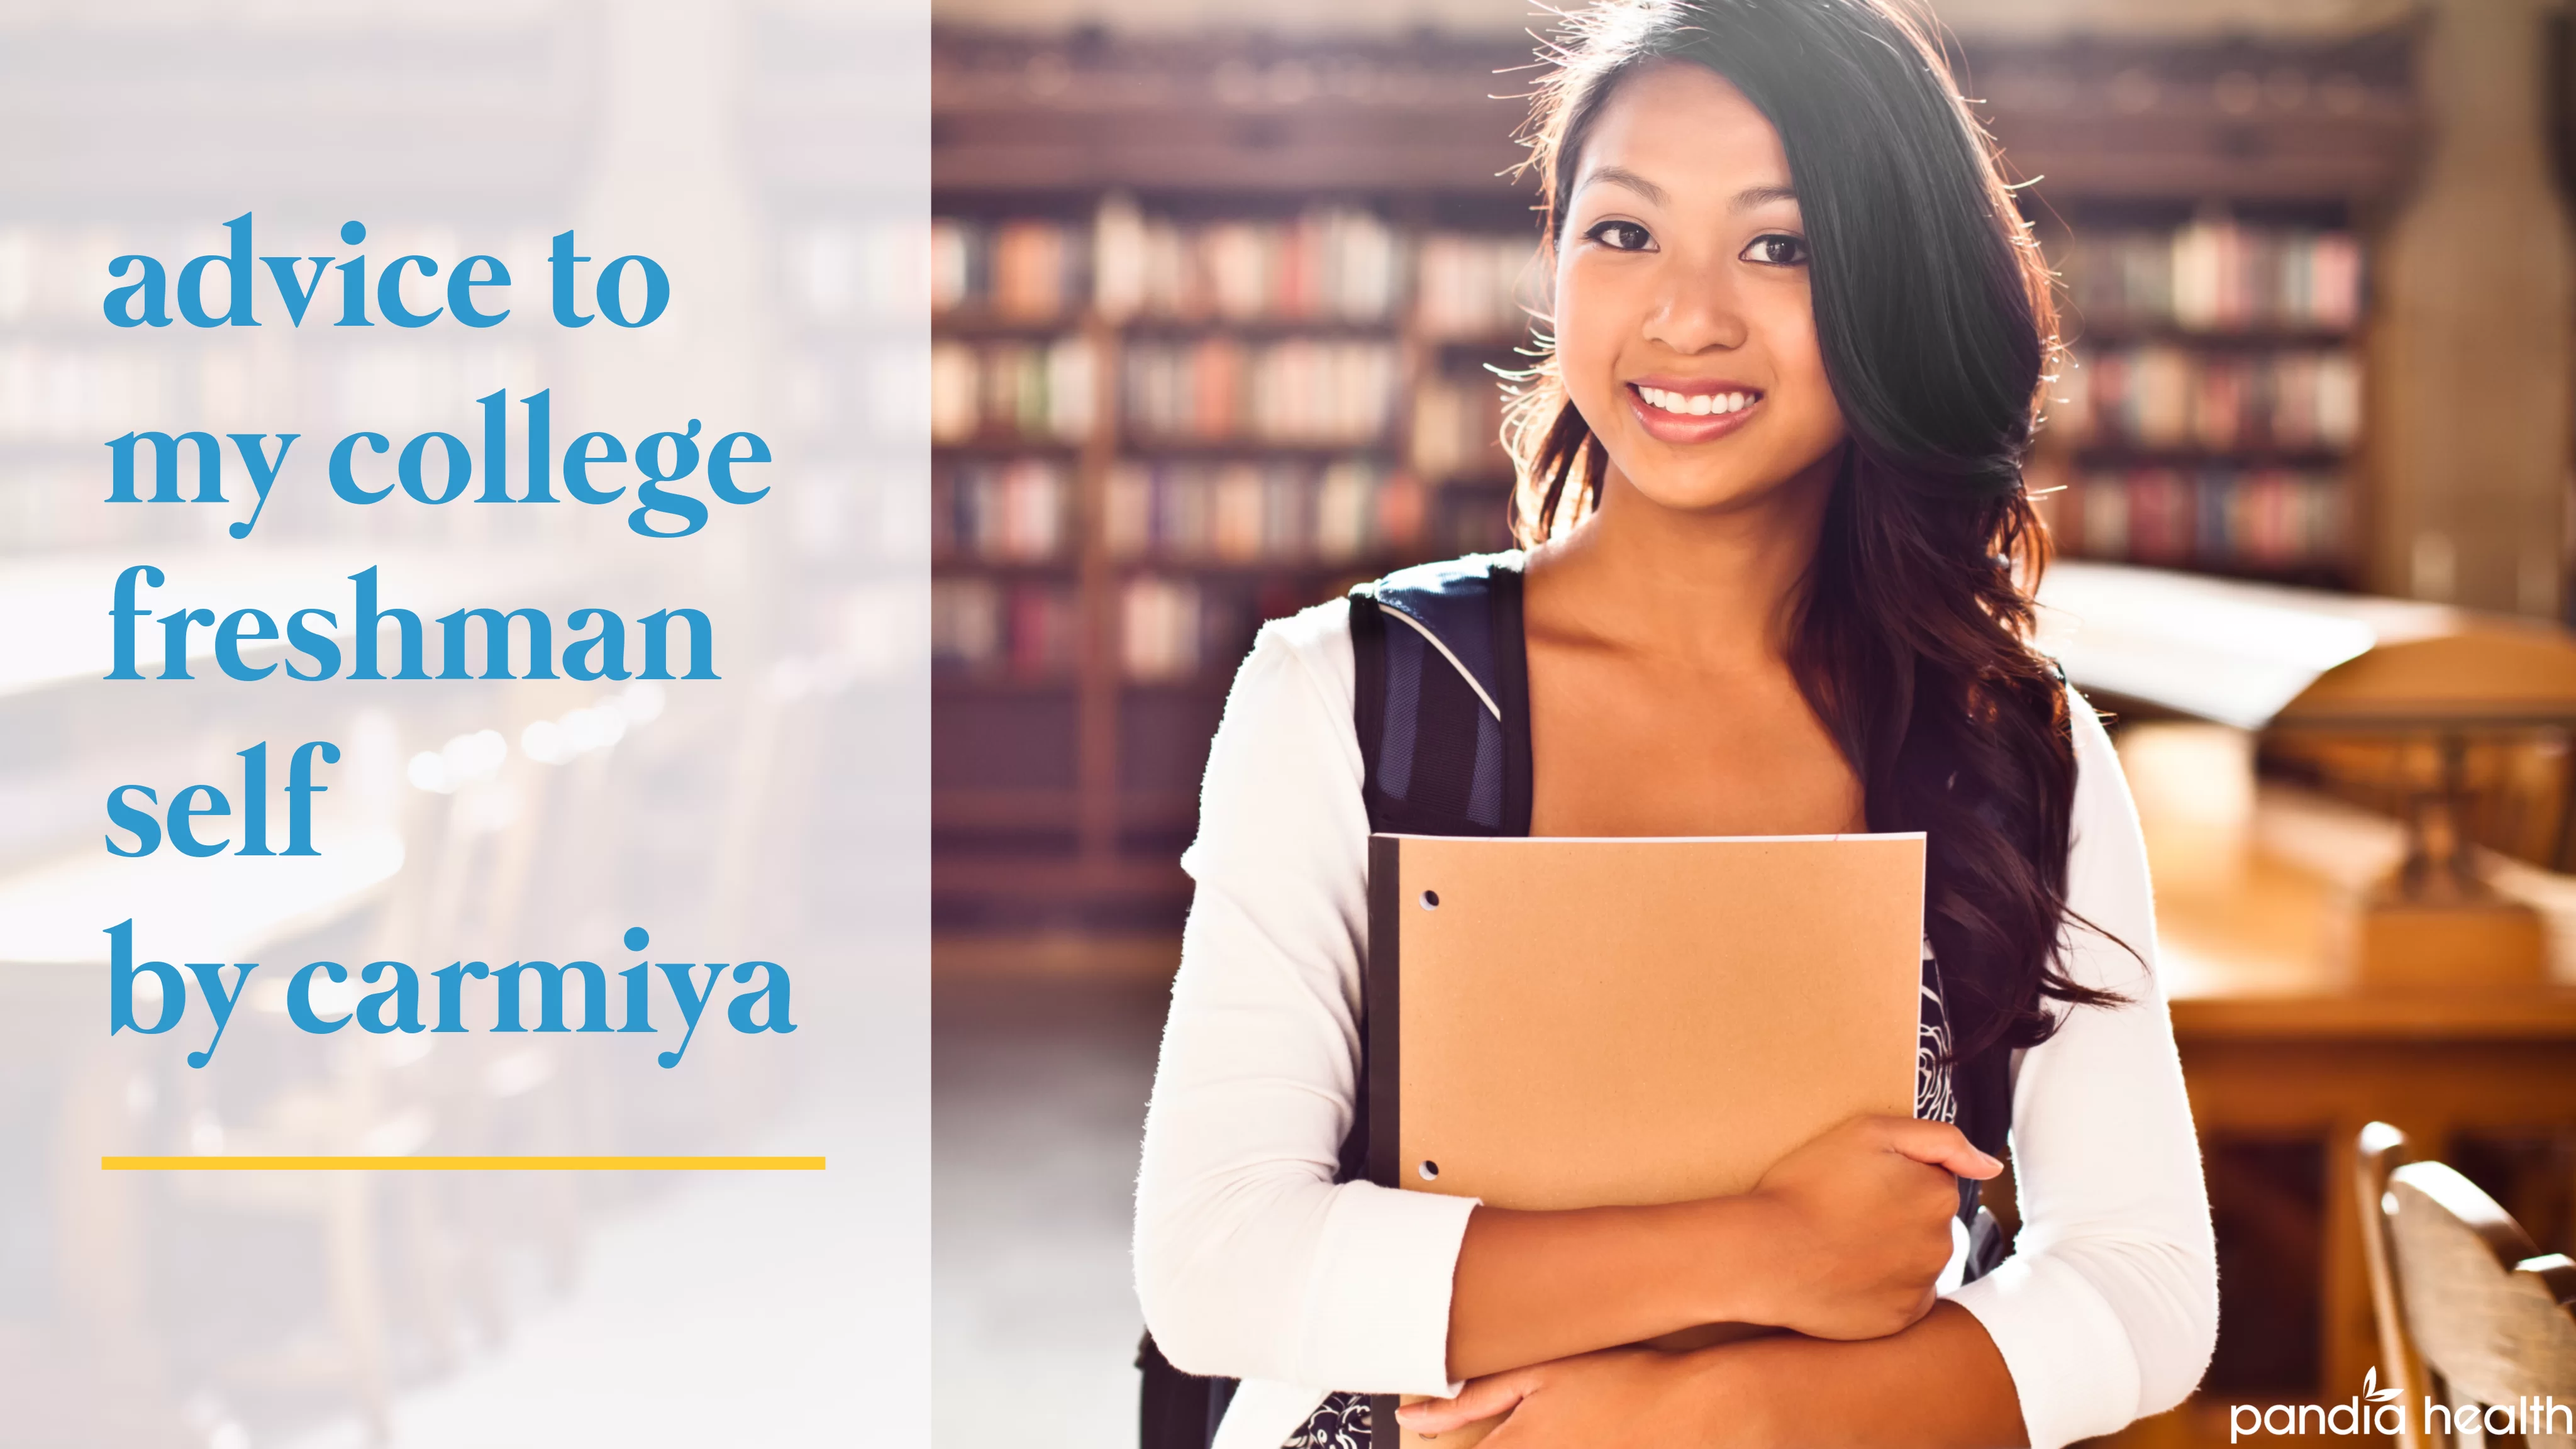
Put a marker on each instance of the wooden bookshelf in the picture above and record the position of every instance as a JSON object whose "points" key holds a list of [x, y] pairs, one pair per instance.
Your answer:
{"points": [[2247, 140], [1387, 152], [2210, 208]]}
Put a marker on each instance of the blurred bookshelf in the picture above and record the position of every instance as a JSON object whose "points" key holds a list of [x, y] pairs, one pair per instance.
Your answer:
{"points": [[2208, 207], [1216, 321], [1212, 331], [69, 382], [2213, 404]]}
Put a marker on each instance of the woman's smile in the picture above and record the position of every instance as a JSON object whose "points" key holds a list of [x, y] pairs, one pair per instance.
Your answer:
{"points": [[1689, 409], [1682, 275]]}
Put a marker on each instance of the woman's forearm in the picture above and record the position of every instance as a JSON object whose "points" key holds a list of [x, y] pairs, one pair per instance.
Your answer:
{"points": [[1841, 1239], [1533, 1286], [1938, 1385]]}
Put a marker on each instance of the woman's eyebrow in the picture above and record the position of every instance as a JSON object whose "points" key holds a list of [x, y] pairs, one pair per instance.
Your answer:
{"points": [[1622, 176], [1753, 196]]}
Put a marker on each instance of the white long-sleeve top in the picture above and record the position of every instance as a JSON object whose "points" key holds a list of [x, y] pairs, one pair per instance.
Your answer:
{"points": [[1252, 1263]]}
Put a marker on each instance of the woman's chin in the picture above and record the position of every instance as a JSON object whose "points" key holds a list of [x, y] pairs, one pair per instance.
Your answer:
{"points": [[1739, 485]]}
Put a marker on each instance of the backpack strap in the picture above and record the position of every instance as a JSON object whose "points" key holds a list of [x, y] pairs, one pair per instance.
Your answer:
{"points": [[1441, 702], [1175, 1410], [1985, 1088]]}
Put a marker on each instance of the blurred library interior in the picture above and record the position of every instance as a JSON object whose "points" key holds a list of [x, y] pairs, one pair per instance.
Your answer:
{"points": [[487, 818], [1220, 299]]}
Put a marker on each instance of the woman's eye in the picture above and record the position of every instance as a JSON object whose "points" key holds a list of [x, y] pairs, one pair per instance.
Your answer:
{"points": [[1777, 249], [1621, 236]]}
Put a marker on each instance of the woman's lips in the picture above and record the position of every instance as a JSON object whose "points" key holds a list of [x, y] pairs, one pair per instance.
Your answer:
{"points": [[1670, 410]]}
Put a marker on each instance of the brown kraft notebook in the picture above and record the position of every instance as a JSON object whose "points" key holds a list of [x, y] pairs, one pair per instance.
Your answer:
{"points": [[1561, 1023]]}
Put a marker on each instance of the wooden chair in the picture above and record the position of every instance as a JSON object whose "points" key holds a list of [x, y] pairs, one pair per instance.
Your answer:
{"points": [[2471, 1313]]}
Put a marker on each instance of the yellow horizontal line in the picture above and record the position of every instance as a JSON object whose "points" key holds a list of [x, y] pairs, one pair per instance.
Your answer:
{"points": [[351, 1163]]}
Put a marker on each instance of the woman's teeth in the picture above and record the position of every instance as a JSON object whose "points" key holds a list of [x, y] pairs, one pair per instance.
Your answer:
{"points": [[1698, 404]]}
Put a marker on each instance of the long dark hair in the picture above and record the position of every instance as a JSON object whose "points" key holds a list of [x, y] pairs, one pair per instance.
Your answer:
{"points": [[1934, 318]]}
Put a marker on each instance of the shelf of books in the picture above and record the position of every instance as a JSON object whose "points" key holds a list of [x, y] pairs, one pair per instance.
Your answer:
{"points": [[2213, 401], [2206, 205], [1217, 321], [1158, 422]]}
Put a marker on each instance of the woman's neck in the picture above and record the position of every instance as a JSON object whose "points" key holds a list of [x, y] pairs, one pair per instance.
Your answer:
{"points": [[1704, 586]]}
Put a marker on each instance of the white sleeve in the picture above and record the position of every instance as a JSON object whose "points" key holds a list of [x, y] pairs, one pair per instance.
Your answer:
{"points": [[2108, 1307], [1250, 1261]]}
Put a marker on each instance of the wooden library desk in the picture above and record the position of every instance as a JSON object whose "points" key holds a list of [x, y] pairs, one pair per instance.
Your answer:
{"points": [[2286, 1060]]}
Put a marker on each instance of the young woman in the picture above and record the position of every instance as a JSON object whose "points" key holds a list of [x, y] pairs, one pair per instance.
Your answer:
{"points": [[1775, 583]]}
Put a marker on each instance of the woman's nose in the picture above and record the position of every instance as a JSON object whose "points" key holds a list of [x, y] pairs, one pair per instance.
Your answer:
{"points": [[1696, 309]]}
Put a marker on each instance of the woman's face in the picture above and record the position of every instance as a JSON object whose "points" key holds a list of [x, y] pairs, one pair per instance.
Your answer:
{"points": [[1683, 325]]}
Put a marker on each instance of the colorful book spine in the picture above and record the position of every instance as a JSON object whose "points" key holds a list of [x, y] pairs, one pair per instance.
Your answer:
{"points": [[2219, 275], [1033, 391], [1017, 511], [2167, 397], [1167, 628], [1457, 428], [1335, 264], [1023, 270], [985, 627], [1162, 627], [1268, 512], [1476, 287], [2259, 519], [1313, 391]]}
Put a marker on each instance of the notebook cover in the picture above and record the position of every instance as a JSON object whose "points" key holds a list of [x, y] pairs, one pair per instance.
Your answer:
{"points": [[1558, 1023]]}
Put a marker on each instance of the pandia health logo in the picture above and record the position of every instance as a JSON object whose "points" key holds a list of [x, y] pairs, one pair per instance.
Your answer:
{"points": [[2378, 1411]]}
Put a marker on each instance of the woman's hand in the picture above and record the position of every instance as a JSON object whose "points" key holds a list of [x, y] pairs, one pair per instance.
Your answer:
{"points": [[1623, 1396], [1858, 1226], [1842, 1239]]}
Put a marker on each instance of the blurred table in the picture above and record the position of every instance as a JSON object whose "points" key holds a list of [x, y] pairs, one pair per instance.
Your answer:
{"points": [[2284, 1057], [100, 1369]]}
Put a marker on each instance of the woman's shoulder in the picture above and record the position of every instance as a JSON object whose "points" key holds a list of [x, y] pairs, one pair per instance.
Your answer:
{"points": [[2107, 884], [1316, 640], [2097, 763], [1297, 676], [1285, 744], [1309, 634], [1308, 652], [2101, 798]]}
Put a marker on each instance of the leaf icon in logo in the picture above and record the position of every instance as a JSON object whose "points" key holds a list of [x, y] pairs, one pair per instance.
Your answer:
{"points": [[2371, 1390]]}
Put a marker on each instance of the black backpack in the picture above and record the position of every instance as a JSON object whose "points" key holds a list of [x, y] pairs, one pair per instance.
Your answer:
{"points": [[1442, 712]]}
